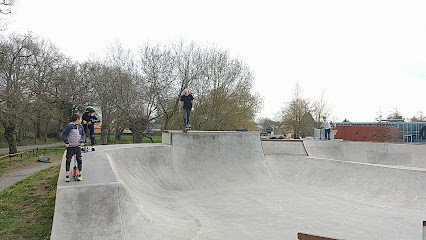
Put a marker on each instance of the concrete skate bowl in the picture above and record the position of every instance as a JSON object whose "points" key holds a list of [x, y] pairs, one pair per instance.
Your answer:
{"points": [[230, 185], [394, 154]]}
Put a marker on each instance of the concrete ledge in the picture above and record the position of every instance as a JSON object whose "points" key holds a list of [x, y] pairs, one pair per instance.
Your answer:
{"points": [[88, 213], [286, 147]]}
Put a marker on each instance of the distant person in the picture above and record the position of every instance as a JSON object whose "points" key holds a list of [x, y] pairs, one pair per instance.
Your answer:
{"points": [[74, 138], [89, 119], [188, 107], [326, 125]]}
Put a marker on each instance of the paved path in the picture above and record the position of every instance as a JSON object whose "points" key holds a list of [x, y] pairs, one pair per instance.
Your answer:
{"points": [[6, 150], [12, 178]]}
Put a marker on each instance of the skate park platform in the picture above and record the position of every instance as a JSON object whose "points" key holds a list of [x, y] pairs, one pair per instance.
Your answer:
{"points": [[232, 185]]}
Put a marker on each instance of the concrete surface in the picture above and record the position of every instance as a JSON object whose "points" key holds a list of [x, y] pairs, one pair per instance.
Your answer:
{"points": [[284, 147], [224, 185]]}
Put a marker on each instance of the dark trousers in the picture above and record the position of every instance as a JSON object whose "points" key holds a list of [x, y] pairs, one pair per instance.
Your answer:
{"points": [[70, 153], [186, 114], [90, 128], [327, 134]]}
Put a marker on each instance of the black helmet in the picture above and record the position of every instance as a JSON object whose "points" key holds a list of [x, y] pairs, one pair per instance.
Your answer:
{"points": [[90, 109]]}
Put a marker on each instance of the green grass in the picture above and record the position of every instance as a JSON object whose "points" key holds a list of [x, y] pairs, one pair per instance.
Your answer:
{"points": [[9, 165], [125, 139], [26, 208], [31, 141], [28, 140]]}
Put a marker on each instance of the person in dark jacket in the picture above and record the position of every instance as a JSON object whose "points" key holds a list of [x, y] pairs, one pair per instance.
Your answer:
{"points": [[74, 138], [187, 103], [89, 119]]}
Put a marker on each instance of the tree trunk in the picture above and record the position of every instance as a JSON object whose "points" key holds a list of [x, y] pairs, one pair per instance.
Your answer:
{"points": [[19, 137], [38, 129], [46, 132], [118, 132], [9, 134], [137, 136], [117, 135], [105, 132], [138, 127], [106, 122], [167, 120]]}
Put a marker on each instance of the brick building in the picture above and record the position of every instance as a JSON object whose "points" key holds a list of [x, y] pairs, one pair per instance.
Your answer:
{"points": [[367, 133], [389, 131]]}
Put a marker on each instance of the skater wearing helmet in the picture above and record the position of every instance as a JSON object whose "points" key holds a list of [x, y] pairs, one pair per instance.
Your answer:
{"points": [[326, 125], [89, 119]]}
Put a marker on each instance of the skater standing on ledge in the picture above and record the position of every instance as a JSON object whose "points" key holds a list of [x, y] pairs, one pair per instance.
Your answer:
{"points": [[188, 107], [326, 125], [89, 119]]}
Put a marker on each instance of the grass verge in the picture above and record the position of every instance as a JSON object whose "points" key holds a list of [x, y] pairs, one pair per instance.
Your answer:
{"points": [[125, 138], [16, 163], [30, 142], [26, 208]]}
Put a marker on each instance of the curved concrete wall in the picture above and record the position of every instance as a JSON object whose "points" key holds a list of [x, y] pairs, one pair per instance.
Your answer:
{"points": [[147, 174], [411, 155], [388, 186], [284, 147]]}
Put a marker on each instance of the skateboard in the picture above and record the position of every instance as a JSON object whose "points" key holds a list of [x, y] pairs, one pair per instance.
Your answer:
{"points": [[186, 129], [85, 149]]}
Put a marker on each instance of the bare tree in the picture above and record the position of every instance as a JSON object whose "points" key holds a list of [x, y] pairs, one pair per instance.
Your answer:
{"points": [[5, 12], [225, 100], [40, 88], [15, 54], [222, 87], [100, 86], [45, 65], [395, 115], [5, 6], [188, 68], [134, 92], [294, 112], [320, 108], [381, 132], [419, 118], [156, 68]]}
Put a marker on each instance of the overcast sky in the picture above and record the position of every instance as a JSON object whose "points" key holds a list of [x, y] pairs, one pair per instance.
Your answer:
{"points": [[365, 55]]}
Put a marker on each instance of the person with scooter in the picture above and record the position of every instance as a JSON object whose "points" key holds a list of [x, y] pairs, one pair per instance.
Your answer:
{"points": [[74, 138]]}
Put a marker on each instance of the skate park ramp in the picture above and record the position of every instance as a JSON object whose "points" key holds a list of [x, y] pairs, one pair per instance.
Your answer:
{"points": [[232, 185], [409, 155]]}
